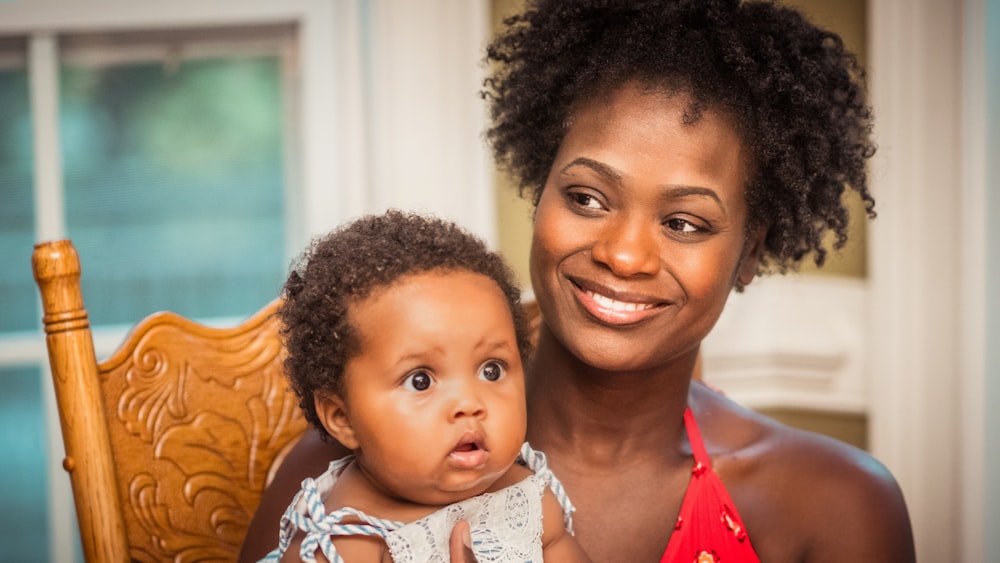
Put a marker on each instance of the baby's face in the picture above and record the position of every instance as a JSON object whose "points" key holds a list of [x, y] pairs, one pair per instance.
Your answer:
{"points": [[435, 394]]}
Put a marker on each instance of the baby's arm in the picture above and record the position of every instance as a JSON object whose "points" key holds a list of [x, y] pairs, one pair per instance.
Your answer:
{"points": [[557, 543]]}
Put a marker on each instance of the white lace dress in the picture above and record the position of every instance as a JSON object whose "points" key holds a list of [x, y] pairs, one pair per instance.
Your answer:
{"points": [[506, 525]]}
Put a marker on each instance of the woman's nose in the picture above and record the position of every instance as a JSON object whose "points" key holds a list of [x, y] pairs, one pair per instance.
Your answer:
{"points": [[627, 248]]}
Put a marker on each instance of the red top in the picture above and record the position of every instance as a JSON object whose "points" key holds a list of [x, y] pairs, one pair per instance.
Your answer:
{"points": [[708, 530]]}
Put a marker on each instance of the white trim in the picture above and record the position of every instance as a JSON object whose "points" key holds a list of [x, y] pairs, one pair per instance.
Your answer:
{"points": [[915, 61], [792, 342], [170, 47], [428, 152], [295, 233], [28, 16], [22, 348], [974, 260], [349, 108], [43, 75], [323, 136]]}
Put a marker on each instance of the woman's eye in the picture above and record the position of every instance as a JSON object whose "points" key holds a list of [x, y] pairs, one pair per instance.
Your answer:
{"points": [[418, 381], [491, 371], [682, 225], [585, 200]]}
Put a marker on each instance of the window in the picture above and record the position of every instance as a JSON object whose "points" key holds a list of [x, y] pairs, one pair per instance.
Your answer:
{"points": [[370, 110], [23, 434], [174, 169], [174, 181], [17, 225]]}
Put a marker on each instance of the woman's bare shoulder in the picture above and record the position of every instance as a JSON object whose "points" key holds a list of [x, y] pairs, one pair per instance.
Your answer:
{"points": [[733, 431], [803, 492]]}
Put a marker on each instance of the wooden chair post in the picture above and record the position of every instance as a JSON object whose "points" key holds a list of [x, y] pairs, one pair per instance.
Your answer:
{"points": [[73, 363]]}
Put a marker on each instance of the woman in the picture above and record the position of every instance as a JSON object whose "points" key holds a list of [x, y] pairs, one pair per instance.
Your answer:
{"points": [[674, 151]]}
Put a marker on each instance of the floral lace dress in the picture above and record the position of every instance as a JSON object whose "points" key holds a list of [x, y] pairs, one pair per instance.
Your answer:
{"points": [[506, 525]]}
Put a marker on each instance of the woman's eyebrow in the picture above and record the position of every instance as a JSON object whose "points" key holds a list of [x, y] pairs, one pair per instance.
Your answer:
{"points": [[597, 166], [611, 173], [680, 190]]}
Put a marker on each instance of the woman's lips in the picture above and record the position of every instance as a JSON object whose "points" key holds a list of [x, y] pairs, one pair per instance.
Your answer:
{"points": [[614, 308]]}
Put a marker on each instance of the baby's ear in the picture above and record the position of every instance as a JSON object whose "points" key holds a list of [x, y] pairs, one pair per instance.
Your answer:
{"points": [[332, 412]]}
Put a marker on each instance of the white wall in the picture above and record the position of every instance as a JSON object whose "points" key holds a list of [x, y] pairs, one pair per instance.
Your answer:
{"points": [[932, 390], [990, 314]]}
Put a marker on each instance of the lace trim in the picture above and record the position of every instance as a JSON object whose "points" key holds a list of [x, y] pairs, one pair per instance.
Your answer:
{"points": [[514, 511]]}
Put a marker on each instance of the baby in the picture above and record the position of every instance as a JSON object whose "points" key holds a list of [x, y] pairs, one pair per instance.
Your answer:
{"points": [[405, 340]]}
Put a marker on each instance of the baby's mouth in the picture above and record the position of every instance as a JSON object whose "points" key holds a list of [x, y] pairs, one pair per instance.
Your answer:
{"points": [[469, 453]]}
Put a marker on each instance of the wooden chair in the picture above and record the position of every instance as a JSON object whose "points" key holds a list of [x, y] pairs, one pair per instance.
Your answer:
{"points": [[170, 441]]}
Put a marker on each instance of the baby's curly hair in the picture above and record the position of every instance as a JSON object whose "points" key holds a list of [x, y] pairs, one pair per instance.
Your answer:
{"points": [[795, 95], [346, 266]]}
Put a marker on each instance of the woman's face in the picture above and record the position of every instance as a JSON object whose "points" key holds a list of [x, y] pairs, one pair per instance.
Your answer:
{"points": [[639, 233]]}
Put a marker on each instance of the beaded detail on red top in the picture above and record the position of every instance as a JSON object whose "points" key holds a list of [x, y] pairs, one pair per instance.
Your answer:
{"points": [[708, 529]]}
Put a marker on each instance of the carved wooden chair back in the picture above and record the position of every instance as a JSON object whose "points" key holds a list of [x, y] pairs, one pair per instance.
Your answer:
{"points": [[170, 441]]}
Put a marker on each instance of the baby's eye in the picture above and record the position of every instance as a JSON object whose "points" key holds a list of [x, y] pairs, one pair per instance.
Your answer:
{"points": [[491, 371], [418, 381]]}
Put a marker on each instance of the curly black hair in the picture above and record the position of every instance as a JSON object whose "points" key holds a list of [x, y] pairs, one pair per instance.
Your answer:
{"points": [[793, 92], [347, 265]]}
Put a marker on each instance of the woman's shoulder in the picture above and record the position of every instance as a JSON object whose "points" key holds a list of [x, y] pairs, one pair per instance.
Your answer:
{"points": [[733, 431], [814, 491]]}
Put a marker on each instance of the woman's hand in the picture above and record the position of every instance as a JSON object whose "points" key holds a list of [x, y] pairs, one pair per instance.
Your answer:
{"points": [[460, 545]]}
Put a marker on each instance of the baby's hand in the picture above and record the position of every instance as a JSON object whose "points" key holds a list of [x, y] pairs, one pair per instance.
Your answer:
{"points": [[460, 545]]}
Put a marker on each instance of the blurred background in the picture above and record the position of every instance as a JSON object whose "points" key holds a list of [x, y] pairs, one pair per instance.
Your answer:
{"points": [[191, 149]]}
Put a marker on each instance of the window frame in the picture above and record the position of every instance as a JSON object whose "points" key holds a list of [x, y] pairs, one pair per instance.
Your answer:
{"points": [[355, 139]]}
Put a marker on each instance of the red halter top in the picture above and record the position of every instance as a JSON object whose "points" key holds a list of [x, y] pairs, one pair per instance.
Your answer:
{"points": [[708, 530]]}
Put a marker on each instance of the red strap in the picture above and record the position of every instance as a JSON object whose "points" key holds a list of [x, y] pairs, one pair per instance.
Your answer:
{"points": [[708, 528], [694, 437]]}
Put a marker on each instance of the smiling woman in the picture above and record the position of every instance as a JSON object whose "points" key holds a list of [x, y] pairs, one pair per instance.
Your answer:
{"points": [[675, 150], [631, 183]]}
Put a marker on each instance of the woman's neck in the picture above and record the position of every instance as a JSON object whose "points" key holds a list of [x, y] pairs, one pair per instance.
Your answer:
{"points": [[604, 414]]}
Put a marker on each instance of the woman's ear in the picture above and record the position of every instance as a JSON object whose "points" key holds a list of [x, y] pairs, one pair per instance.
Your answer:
{"points": [[332, 412], [752, 249]]}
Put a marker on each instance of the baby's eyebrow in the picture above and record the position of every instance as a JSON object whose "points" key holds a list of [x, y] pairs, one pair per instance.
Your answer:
{"points": [[420, 356], [487, 343]]}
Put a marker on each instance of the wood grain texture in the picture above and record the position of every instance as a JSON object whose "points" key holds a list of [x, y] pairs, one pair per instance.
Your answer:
{"points": [[171, 440]]}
